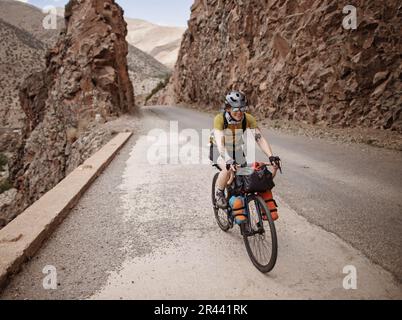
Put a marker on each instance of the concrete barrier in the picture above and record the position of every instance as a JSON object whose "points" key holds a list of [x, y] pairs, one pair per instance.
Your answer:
{"points": [[22, 238]]}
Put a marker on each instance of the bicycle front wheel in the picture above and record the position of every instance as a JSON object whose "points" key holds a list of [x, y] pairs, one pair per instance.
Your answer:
{"points": [[260, 236]]}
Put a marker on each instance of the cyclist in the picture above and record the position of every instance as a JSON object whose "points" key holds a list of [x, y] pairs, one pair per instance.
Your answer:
{"points": [[227, 141]]}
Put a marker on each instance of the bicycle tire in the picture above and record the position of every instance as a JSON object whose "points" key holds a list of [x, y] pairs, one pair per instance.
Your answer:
{"points": [[224, 225], [263, 267]]}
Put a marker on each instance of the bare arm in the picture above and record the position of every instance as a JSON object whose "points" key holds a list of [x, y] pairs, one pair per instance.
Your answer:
{"points": [[220, 143], [265, 147], [262, 142]]}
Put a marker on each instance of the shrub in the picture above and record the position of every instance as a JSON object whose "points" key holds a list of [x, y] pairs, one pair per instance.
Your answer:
{"points": [[5, 185], [161, 85], [3, 161]]}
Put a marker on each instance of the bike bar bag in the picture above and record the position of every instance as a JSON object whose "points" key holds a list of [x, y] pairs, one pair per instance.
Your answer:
{"points": [[259, 181]]}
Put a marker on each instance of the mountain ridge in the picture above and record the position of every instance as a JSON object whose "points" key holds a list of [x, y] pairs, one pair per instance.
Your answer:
{"points": [[29, 18], [161, 42], [20, 54]]}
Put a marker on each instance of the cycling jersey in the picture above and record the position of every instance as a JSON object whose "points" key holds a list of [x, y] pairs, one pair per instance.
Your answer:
{"points": [[233, 136]]}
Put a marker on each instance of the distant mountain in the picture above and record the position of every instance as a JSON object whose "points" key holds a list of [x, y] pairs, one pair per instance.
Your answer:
{"points": [[145, 71], [29, 18], [161, 42], [60, 11]]}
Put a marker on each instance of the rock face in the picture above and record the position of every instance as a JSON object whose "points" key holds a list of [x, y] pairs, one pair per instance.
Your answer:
{"points": [[295, 60], [20, 55], [86, 78], [24, 42]]}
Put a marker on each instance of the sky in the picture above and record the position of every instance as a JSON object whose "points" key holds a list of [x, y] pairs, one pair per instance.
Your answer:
{"points": [[162, 12]]}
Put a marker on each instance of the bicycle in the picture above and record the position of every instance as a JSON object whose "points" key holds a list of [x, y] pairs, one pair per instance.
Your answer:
{"points": [[256, 231]]}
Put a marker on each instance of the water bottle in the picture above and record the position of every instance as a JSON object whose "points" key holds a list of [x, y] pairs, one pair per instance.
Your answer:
{"points": [[238, 210]]}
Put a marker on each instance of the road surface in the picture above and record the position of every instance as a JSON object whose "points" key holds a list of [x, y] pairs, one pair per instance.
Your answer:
{"points": [[146, 230]]}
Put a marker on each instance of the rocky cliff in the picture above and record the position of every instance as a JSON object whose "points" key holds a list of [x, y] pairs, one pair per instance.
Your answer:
{"points": [[295, 60], [20, 54], [86, 78]]}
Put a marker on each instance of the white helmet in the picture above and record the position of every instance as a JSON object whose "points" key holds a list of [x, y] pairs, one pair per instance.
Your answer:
{"points": [[236, 100]]}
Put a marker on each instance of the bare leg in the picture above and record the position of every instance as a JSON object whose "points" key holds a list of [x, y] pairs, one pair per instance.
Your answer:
{"points": [[224, 176]]}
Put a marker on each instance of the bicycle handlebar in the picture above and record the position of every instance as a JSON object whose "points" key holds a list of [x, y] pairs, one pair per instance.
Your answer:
{"points": [[268, 164]]}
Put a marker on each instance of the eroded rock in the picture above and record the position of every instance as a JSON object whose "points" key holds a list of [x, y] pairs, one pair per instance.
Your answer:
{"points": [[86, 77], [295, 60]]}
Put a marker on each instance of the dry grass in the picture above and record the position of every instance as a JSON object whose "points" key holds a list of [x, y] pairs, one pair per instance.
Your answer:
{"points": [[72, 135], [83, 125]]}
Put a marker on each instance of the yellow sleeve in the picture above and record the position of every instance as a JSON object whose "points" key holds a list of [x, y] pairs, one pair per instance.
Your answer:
{"points": [[219, 122], [251, 121]]}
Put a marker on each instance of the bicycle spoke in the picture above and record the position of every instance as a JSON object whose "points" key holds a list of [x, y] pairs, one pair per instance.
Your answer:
{"points": [[259, 249], [266, 250], [259, 240], [260, 255]]}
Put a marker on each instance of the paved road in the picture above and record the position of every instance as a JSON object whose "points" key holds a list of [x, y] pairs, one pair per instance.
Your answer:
{"points": [[354, 191], [147, 231]]}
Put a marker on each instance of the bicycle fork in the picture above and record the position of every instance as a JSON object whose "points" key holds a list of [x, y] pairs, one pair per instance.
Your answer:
{"points": [[246, 228]]}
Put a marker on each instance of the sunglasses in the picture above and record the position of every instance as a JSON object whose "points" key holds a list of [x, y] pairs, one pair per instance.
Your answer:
{"points": [[242, 109]]}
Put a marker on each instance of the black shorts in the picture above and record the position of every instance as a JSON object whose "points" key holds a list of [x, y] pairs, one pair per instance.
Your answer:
{"points": [[237, 155]]}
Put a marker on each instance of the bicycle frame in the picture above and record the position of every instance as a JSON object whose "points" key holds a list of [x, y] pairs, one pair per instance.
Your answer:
{"points": [[247, 201], [246, 205]]}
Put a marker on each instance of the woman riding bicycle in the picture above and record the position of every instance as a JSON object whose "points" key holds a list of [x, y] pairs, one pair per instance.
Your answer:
{"points": [[227, 141]]}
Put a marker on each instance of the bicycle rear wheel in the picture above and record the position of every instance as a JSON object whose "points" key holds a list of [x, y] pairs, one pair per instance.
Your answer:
{"points": [[260, 236], [222, 216]]}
